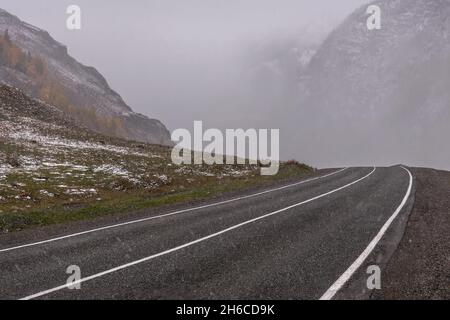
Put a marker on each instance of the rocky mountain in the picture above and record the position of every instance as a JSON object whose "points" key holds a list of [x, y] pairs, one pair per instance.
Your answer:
{"points": [[278, 65], [380, 96], [33, 61]]}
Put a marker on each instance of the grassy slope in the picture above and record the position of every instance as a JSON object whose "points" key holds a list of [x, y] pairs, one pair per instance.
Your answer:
{"points": [[116, 202], [53, 170]]}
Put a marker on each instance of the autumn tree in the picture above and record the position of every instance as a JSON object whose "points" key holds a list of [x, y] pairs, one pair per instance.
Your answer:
{"points": [[2, 53], [6, 36]]}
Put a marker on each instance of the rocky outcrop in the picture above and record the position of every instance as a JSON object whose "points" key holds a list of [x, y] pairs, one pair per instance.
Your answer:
{"points": [[79, 90]]}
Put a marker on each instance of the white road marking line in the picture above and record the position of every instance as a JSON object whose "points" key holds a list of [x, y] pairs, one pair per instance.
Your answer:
{"points": [[97, 275], [167, 214], [331, 292]]}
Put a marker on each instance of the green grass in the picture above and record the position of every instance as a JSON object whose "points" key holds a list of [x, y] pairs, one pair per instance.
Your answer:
{"points": [[65, 209]]}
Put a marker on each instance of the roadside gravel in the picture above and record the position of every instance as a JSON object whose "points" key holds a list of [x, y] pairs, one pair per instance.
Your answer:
{"points": [[420, 267]]}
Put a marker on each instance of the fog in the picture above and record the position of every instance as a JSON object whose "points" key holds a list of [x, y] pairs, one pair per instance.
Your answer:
{"points": [[229, 63], [181, 61]]}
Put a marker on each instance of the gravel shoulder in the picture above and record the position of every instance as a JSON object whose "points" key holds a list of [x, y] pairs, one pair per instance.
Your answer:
{"points": [[420, 267]]}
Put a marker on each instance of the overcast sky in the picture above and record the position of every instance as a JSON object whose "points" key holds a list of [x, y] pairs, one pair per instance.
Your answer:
{"points": [[180, 60]]}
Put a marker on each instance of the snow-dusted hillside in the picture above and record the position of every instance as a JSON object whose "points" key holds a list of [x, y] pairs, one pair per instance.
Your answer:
{"points": [[48, 161], [83, 88]]}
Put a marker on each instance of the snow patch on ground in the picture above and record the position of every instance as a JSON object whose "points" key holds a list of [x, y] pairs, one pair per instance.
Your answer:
{"points": [[26, 133], [4, 170], [46, 193], [111, 169], [76, 191], [162, 177]]}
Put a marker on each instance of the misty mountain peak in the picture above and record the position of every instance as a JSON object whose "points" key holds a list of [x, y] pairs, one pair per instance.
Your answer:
{"points": [[380, 91]]}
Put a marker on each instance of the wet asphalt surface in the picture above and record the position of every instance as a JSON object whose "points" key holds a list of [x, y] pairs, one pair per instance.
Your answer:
{"points": [[297, 253]]}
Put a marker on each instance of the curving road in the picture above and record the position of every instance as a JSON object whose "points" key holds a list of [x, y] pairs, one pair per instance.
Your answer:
{"points": [[304, 240]]}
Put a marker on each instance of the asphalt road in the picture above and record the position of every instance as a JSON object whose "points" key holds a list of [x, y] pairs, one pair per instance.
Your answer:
{"points": [[289, 243]]}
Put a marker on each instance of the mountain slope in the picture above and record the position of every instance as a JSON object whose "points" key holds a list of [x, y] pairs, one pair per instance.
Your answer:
{"points": [[53, 169], [381, 95], [69, 85]]}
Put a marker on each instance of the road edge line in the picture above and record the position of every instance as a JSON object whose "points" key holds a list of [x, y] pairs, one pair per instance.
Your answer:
{"points": [[345, 277], [136, 262], [167, 214]]}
